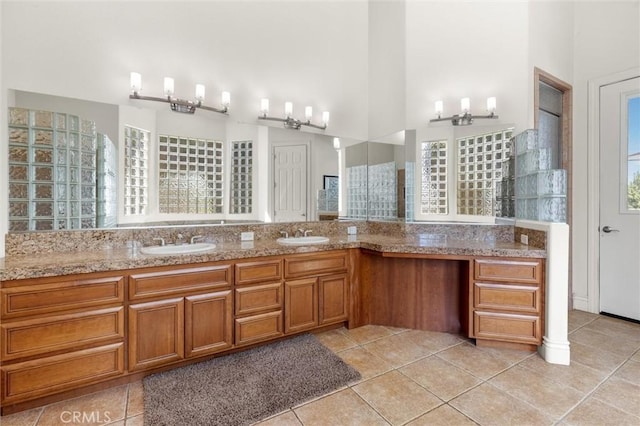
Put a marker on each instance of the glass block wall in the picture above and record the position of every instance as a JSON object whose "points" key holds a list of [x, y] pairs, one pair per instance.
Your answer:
{"points": [[540, 192], [357, 192], [241, 177], [480, 160], [52, 171], [136, 171], [433, 193], [382, 191], [190, 175], [107, 184]]}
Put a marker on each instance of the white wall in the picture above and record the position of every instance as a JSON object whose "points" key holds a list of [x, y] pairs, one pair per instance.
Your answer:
{"points": [[471, 49], [606, 41], [4, 148]]}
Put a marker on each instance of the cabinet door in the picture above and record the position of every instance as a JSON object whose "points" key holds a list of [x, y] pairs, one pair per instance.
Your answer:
{"points": [[156, 333], [300, 305], [208, 323], [334, 298]]}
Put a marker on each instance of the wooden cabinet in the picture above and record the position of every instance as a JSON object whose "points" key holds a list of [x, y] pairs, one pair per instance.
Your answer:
{"points": [[316, 290], [258, 300], [60, 333], [196, 321], [507, 296]]}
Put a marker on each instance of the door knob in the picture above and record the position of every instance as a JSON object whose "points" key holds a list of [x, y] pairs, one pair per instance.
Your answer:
{"points": [[607, 229]]}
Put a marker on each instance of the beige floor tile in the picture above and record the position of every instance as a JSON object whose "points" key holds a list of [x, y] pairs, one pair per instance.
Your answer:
{"points": [[396, 330], [396, 397], [552, 398], [433, 340], [593, 412], [288, 418], [444, 380], [474, 360], [630, 372], [336, 340], [135, 399], [617, 343], [23, 418], [620, 394], [578, 319], [398, 349], [341, 408], [578, 376], [444, 415], [367, 333], [488, 405], [368, 364], [614, 326], [597, 358], [135, 421], [97, 408], [636, 356]]}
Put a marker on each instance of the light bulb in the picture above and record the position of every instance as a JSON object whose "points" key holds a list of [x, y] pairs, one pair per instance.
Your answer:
{"points": [[308, 113], [325, 117], [465, 105], [288, 109], [200, 92], [264, 106], [491, 105], [168, 86], [439, 108], [226, 99], [136, 82]]}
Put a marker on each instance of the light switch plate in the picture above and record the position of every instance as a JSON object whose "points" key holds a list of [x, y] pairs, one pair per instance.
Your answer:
{"points": [[524, 239], [246, 236]]}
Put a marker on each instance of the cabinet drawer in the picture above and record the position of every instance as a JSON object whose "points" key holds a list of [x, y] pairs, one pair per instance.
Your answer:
{"points": [[516, 271], [61, 295], [178, 281], [258, 298], [34, 337], [258, 327], [305, 265], [46, 376], [261, 271], [520, 298], [507, 327]]}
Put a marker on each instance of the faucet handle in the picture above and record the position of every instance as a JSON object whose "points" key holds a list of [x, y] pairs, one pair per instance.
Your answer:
{"points": [[159, 239]]}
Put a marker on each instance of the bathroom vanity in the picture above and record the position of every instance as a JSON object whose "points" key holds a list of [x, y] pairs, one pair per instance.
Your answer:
{"points": [[101, 319]]}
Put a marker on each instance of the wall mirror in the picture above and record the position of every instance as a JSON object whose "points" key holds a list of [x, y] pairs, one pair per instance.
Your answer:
{"points": [[79, 164]]}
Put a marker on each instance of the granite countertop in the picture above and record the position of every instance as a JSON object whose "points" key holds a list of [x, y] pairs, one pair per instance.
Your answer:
{"points": [[66, 263]]}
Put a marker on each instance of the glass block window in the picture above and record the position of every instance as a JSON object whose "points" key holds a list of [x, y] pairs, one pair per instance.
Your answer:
{"points": [[433, 191], [357, 192], [241, 197], [136, 172], [480, 160], [190, 175], [383, 200], [52, 171]]}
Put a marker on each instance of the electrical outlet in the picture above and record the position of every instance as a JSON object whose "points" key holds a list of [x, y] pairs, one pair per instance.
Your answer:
{"points": [[352, 230], [524, 239], [246, 236]]}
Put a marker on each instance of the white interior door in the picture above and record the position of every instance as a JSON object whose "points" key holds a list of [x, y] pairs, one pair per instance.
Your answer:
{"points": [[290, 183], [619, 207]]}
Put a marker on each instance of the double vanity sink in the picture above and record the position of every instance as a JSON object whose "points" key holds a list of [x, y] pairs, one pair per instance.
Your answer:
{"points": [[194, 248]]}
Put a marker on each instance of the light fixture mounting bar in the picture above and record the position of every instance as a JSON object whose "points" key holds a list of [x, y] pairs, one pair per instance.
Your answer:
{"points": [[463, 119], [180, 105], [292, 123]]}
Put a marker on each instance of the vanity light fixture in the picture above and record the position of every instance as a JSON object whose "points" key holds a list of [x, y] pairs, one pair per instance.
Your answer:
{"points": [[289, 121], [465, 117], [178, 105]]}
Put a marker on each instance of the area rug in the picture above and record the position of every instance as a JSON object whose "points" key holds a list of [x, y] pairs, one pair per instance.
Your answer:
{"points": [[245, 387]]}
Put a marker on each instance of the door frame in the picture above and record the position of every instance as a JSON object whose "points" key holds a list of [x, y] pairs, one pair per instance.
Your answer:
{"points": [[272, 146], [593, 183]]}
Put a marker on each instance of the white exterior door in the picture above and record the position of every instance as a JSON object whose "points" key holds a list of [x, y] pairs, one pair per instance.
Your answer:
{"points": [[620, 198], [290, 183]]}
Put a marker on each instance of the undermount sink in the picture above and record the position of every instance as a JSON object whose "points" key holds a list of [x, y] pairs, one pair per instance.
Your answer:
{"points": [[178, 249], [302, 241]]}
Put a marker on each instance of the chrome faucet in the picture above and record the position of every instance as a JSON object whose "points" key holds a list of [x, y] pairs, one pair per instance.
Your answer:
{"points": [[284, 234], [159, 239], [299, 233], [307, 232], [195, 238], [179, 239]]}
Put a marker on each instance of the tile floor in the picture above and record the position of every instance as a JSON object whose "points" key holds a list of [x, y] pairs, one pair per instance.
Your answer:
{"points": [[425, 378]]}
